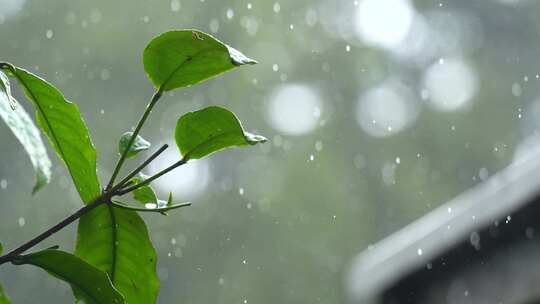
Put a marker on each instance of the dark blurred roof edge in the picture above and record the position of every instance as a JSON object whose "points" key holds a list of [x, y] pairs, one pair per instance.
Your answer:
{"points": [[415, 245]]}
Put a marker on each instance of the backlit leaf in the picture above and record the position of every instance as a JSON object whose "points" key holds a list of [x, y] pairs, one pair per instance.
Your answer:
{"points": [[116, 241], [209, 130], [182, 58], [62, 123]]}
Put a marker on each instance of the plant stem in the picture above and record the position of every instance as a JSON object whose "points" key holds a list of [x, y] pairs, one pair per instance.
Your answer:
{"points": [[68, 220], [155, 98], [152, 178], [157, 209], [126, 179]]}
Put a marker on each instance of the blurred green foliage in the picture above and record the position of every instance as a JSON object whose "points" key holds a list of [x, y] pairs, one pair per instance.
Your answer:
{"points": [[272, 225]]}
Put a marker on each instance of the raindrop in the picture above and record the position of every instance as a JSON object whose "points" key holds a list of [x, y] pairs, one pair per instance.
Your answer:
{"points": [[318, 145], [311, 157], [105, 74], [49, 34], [508, 219], [244, 262], [3, 183], [277, 7], [291, 27], [241, 191], [360, 161], [529, 232], [175, 5], [388, 173], [516, 89], [146, 19], [311, 17], [102, 111], [449, 209], [398, 160], [347, 48], [214, 25], [474, 239], [221, 281], [230, 13], [249, 6], [419, 251], [21, 221], [275, 67]]}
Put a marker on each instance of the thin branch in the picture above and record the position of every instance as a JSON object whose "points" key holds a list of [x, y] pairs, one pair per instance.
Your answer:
{"points": [[160, 209], [155, 98], [126, 179], [152, 178], [68, 220]]}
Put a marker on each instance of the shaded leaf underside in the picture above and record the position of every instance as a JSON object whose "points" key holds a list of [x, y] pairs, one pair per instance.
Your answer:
{"points": [[89, 283], [26, 132]]}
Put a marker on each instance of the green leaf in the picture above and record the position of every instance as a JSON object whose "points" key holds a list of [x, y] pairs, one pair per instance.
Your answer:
{"points": [[144, 194], [209, 130], [3, 296], [62, 123], [117, 242], [182, 58], [89, 283], [26, 133], [140, 144]]}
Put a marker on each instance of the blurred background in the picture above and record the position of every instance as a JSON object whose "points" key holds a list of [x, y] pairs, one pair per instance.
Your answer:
{"points": [[377, 111]]}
